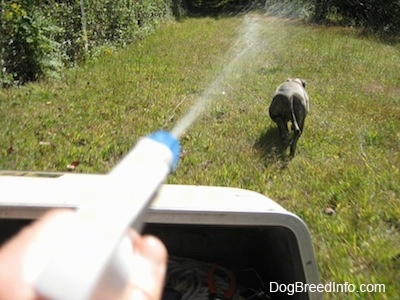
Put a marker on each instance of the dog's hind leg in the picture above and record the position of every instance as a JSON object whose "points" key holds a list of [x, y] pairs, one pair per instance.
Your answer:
{"points": [[280, 114], [283, 130], [299, 116], [294, 142], [293, 110]]}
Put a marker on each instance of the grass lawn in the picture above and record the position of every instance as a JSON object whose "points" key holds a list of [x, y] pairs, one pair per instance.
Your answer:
{"points": [[347, 161]]}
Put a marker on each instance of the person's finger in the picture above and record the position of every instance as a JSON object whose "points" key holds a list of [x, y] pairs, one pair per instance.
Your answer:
{"points": [[149, 264], [13, 280], [154, 250]]}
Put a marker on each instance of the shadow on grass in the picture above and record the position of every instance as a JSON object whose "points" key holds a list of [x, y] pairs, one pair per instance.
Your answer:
{"points": [[271, 148]]}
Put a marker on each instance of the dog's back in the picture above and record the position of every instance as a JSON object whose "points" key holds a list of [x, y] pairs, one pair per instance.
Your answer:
{"points": [[290, 102], [295, 88]]}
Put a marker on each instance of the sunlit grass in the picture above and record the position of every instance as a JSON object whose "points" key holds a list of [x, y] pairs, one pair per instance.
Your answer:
{"points": [[347, 160]]}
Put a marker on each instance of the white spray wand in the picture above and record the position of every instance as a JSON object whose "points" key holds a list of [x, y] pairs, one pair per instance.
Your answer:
{"points": [[93, 252]]}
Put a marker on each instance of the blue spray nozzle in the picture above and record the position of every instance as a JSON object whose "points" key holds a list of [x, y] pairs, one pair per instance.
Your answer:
{"points": [[167, 139]]}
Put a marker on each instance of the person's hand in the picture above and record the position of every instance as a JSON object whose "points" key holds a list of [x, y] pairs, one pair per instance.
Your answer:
{"points": [[146, 281]]}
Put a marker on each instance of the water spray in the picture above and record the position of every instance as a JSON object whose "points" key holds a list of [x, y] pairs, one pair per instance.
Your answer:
{"points": [[245, 48], [92, 257]]}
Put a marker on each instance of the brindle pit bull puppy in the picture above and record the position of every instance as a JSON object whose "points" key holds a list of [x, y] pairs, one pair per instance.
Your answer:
{"points": [[290, 103]]}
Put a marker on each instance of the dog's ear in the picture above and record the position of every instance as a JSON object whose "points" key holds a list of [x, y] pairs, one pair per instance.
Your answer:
{"points": [[289, 79], [303, 82]]}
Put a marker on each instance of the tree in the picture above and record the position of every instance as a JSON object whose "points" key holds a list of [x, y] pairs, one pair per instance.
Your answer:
{"points": [[376, 15]]}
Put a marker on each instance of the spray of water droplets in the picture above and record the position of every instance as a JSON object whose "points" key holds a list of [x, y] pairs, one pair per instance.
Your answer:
{"points": [[244, 50]]}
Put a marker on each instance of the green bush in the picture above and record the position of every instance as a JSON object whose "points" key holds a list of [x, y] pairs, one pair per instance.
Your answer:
{"points": [[67, 15], [28, 47], [374, 15], [289, 8], [39, 37]]}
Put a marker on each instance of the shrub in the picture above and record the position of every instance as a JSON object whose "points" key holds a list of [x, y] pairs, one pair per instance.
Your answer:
{"points": [[28, 48], [374, 15], [40, 37]]}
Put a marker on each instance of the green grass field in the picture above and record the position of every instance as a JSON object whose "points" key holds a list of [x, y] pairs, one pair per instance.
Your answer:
{"points": [[347, 161]]}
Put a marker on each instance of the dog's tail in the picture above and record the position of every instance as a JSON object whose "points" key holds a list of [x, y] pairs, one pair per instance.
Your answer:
{"points": [[294, 119]]}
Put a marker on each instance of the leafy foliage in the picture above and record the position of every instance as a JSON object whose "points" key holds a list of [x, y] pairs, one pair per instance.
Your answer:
{"points": [[28, 47], [39, 37], [374, 15]]}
